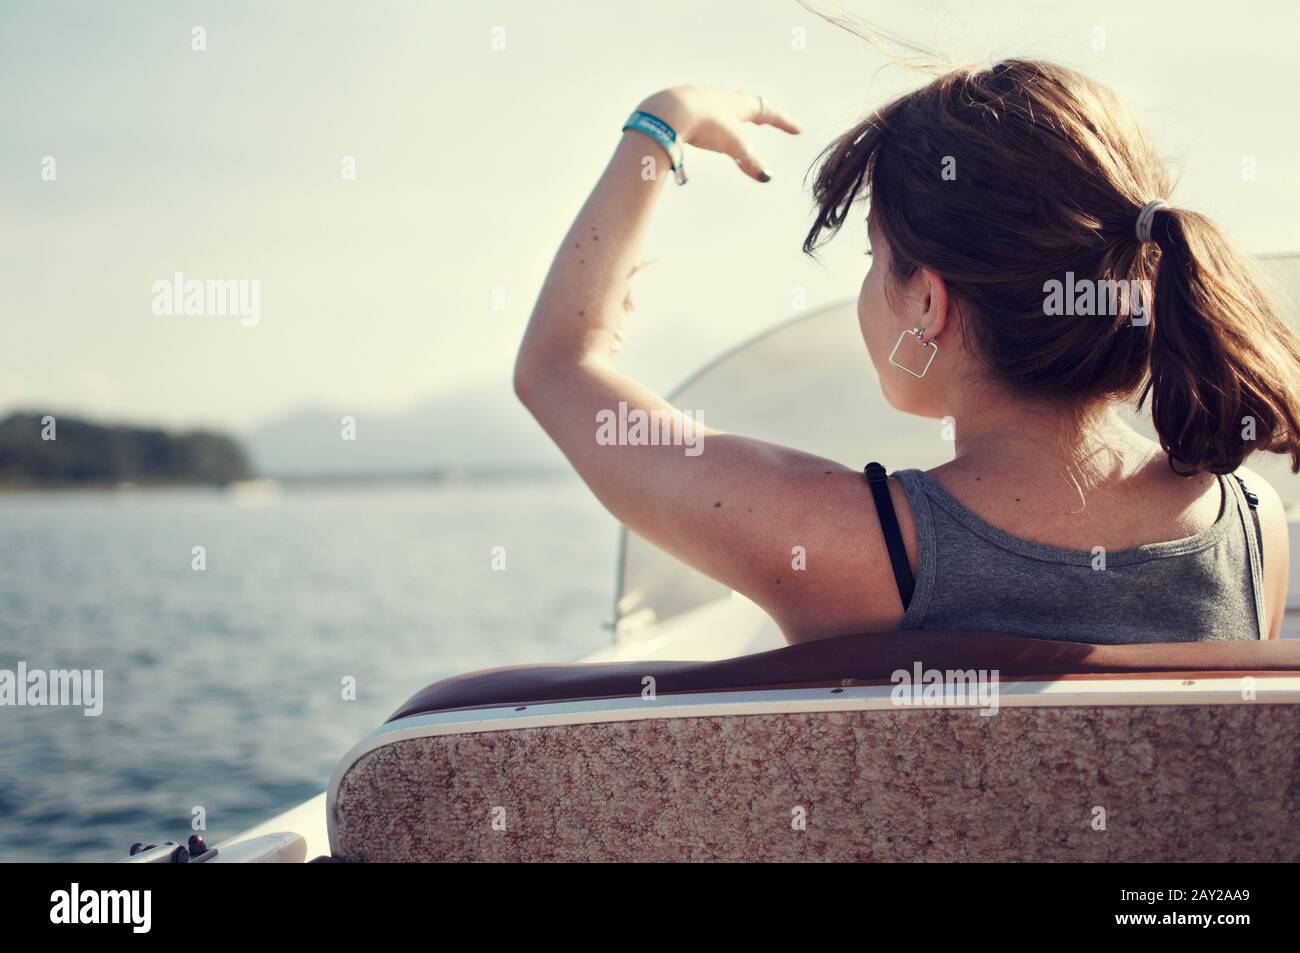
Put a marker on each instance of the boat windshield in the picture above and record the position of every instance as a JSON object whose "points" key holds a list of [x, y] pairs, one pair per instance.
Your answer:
{"points": [[808, 383]]}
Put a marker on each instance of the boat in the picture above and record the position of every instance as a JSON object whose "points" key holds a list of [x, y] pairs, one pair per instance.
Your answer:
{"points": [[698, 734]]}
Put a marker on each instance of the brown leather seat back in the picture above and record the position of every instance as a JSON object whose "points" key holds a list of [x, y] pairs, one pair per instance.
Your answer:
{"points": [[871, 657]]}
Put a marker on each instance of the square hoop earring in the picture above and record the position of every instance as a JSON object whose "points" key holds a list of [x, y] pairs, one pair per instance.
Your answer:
{"points": [[919, 334]]}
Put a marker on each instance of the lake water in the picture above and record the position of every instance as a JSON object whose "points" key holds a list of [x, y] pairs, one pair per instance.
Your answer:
{"points": [[224, 688]]}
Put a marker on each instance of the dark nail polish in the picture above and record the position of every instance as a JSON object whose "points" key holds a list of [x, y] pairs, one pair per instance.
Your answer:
{"points": [[763, 176]]}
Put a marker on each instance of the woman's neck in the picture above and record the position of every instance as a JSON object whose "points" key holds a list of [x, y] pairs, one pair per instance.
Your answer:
{"points": [[1038, 440]]}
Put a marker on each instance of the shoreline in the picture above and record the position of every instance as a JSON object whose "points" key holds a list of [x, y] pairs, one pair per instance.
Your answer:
{"points": [[288, 482]]}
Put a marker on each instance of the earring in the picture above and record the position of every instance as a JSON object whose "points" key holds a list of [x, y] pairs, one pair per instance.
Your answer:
{"points": [[919, 333]]}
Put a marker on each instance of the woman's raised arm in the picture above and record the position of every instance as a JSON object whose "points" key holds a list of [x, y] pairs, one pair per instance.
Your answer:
{"points": [[732, 507]]}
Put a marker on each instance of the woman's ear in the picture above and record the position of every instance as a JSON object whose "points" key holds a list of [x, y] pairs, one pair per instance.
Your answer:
{"points": [[934, 303]]}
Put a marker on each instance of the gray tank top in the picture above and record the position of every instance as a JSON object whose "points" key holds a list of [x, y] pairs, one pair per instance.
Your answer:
{"points": [[972, 575]]}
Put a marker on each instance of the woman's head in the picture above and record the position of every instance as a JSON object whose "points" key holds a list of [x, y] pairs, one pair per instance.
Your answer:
{"points": [[1003, 204]]}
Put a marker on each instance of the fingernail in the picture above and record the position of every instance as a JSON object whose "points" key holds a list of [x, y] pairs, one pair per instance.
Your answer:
{"points": [[763, 176]]}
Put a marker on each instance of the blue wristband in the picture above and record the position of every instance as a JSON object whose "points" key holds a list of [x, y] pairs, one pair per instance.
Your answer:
{"points": [[662, 133]]}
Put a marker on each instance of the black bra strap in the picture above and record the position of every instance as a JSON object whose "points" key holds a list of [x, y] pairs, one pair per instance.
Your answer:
{"points": [[1252, 502], [878, 480], [1251, 499]]}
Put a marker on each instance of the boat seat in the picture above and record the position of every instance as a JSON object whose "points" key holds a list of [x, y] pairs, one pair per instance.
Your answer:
{"points": [[1172, 751], [866, 658]]}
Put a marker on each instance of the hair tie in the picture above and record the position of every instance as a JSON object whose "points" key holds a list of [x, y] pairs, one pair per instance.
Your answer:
{"points": [[1145, 218]]}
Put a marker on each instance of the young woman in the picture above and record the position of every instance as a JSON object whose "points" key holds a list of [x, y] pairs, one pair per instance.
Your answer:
{"points": [[1054, 520]]}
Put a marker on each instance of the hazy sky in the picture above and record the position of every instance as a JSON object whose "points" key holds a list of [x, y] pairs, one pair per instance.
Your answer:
{"points": [[375, 293]]}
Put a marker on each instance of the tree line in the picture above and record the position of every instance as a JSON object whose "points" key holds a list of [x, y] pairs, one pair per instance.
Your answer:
{"points": [[47, 449]]}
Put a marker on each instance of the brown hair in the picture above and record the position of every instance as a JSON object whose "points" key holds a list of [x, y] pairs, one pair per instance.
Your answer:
{"points": [[1047, 173]]}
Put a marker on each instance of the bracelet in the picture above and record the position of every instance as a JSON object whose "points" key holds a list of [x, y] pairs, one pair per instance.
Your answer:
{"points": [[665, 135]]}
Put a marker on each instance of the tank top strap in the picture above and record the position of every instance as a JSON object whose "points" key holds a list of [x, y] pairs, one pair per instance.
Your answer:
{"points": [[923, 519], [1246, 502]]}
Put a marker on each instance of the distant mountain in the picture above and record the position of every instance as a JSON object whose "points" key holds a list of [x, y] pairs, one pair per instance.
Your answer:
{"points": [[482, 428]]}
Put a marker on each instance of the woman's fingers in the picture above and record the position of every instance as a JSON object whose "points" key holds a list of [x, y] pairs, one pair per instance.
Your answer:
{"points": [[766, 113], [719, 127], [751, 164], [731, 141], [761, 111]]}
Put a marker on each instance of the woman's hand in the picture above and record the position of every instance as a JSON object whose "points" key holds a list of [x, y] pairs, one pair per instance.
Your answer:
{"points": [[712, 118]]}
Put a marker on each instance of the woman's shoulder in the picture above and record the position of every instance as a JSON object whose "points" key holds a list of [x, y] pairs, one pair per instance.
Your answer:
{"points": [[1261, 487], [1136, 504], [1268, 504]]}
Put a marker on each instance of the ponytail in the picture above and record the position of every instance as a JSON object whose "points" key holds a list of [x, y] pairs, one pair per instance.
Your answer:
{"points": [[1224, 365]]}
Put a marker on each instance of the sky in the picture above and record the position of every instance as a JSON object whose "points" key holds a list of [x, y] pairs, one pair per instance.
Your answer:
{"points": [[417, 277]]}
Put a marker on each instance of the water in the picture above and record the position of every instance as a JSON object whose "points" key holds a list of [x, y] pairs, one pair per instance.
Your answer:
{"points": [[224, 688]]}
